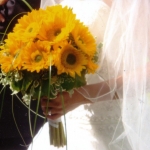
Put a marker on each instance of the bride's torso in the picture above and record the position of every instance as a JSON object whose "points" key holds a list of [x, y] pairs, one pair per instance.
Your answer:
{"points": [[101, 118], [92, 126], [94, 14], [96, 126]]}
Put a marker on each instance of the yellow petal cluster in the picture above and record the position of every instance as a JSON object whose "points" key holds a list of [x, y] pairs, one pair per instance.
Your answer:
{"points": [[69, 60], [58, 25], [11, 56], [84, 39], [29, 25], [50, 37], [36, 57]]}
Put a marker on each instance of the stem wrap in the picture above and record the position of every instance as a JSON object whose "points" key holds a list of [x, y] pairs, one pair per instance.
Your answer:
{"points": [[54, 123]]}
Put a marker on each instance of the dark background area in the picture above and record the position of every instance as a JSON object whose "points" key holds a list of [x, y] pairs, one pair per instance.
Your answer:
{"points": [[9, 135]]}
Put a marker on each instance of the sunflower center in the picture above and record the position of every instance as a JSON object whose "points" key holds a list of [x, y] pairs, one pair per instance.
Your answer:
{"points": [[81, 40], [57, 32], [71, 59], [30, 29], [38, 58]]}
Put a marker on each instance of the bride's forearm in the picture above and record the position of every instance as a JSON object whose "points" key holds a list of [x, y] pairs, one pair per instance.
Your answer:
{"points": [[96, 92], [101, 91]]}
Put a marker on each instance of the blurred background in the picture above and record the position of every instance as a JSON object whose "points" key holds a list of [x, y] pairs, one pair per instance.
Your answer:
{"points": [[10, 138]]}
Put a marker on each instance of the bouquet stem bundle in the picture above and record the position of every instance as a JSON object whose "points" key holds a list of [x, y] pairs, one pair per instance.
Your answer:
{"points": [[57, 135]]}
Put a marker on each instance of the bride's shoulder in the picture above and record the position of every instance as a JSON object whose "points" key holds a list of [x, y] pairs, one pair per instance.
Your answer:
{"points": [[85, 4], [94, 14]]}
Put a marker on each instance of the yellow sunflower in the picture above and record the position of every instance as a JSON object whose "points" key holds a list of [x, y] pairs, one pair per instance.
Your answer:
{"points": [[11, 56], [91, 65], [29, 25], [69, 60], [59, 23], [37, 57], [64, 13], [84, 39], [11, 39], [6, 61]]}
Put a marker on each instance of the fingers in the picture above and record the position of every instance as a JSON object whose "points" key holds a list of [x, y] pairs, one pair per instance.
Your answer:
{"points": [[57, 103], [51, 103], [52, 113], [54, 109], [54, 117]]}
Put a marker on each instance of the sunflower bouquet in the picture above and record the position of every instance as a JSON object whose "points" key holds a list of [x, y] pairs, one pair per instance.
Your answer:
{"points": [[49, 51]]}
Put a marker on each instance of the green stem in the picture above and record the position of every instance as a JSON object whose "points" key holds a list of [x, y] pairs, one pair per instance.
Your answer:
{"points": [[9, 25], [16, 123], [29, 117], [51, 134], [63, 106], [39, 95], [57, 136], [29, 108], [54, 136], [29, 6], [62, 136]]}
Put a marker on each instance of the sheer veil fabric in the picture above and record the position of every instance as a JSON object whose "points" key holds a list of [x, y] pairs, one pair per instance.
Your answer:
{"points": [[128, 34], [108, 124]]}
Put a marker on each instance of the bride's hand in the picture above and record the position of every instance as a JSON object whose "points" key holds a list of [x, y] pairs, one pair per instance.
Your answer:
{"points": [[54, 109]]}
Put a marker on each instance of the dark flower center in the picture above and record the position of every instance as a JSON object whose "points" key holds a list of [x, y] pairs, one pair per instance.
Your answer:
{"points": [[30, 30], [71, 59], [38, 58], [57, 32]]}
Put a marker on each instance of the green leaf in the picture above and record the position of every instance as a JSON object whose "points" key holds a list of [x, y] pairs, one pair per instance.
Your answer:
{"points": [[70, 83], [27, 80], [80, 80], [47, 90], [67, 82], [16, 85]]}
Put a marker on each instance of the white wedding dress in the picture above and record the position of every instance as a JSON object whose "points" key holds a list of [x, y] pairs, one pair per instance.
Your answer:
{"points": [[96, 126]]}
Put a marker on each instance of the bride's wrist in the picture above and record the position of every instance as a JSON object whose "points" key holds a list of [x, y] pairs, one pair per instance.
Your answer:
{"points": [[80, 96]]}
